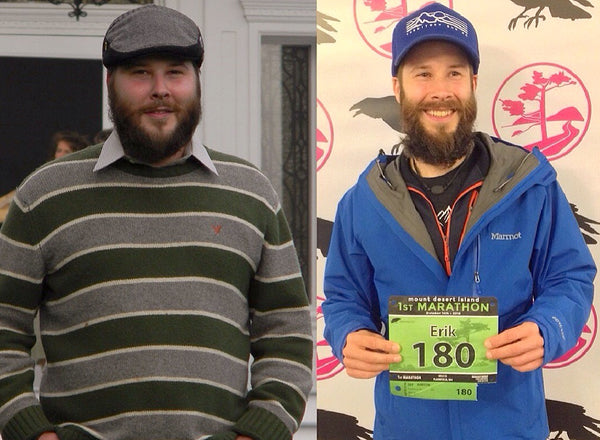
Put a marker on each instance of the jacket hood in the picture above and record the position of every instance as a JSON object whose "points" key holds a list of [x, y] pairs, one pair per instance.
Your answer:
{"points": [[513, 170]]}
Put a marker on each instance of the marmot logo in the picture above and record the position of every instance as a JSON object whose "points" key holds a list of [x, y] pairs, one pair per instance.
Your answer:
{"points": [[499, 236]]}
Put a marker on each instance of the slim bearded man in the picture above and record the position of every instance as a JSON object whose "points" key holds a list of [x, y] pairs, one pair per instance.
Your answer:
{"points": [[455, 214], [169, 293]]}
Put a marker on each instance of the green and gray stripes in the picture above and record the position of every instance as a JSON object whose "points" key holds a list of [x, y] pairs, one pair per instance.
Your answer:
{"points": [[155, 288]]}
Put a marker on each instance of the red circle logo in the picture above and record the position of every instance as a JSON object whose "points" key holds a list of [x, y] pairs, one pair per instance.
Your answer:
{"points": [[327, 365], [324, 135], [375, 20], [542, 105]]}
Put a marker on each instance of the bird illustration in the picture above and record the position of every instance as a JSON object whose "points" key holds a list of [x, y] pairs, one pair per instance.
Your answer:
{"points": [[558, 8], [386, 109], [324, 228], [585, 224], [564, 417], [325, 29], [332, 425]]}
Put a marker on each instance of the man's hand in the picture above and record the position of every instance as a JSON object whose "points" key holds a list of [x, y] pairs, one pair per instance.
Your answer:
{"points": [[366, 354], [243, 437], [520, 347]]}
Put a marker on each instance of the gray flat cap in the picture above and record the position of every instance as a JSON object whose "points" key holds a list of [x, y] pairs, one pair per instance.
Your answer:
{"points": [[152, 29]]}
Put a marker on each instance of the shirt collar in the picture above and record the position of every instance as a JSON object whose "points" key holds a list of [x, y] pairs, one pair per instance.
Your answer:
{"points": [[112, 151]]}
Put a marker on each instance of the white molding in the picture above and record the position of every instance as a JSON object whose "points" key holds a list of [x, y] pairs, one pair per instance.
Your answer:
{"points": [[288, 11], [281, 18], [271, 18], [53, 20]]}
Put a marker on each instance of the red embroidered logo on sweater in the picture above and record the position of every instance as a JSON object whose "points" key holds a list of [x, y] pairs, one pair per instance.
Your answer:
{"points": [[217, 228]]}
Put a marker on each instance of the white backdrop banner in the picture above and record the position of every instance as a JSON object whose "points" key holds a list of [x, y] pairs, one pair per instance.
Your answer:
{"points": [[538, 82]]}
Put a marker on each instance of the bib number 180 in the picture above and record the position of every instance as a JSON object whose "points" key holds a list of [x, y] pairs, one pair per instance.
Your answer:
{"points": [[444, 354]]}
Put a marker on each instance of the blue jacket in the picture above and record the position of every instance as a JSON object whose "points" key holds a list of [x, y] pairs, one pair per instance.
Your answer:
{"points": [[522, 245]]}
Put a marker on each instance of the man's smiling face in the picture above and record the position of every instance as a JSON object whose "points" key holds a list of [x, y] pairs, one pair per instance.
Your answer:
{"points": [[435, 88]]}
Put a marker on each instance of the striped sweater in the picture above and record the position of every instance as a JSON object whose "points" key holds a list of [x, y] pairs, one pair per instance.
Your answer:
{"points": [[156, 289]]}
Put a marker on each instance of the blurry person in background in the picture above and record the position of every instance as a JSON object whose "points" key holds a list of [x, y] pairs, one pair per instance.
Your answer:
{"points": [[102, 135], [66, 142]]}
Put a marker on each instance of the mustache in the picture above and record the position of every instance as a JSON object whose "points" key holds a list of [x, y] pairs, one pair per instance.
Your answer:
{"points": [[160, 104], [450, 104]]}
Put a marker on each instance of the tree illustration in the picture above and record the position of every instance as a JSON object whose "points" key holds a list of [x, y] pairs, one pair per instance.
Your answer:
{"points": [[467, 328], [536, 92]]}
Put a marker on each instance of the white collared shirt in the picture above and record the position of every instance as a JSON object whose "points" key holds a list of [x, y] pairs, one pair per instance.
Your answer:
{"points": [[112, 151]]}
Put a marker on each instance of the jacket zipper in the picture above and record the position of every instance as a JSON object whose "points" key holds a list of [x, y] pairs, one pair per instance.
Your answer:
{"points": [[442, 233], [476, 277], [445, 234]]}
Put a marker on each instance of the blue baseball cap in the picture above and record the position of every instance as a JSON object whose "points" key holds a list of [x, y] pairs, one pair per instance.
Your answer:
{"points": [[434, 22]]}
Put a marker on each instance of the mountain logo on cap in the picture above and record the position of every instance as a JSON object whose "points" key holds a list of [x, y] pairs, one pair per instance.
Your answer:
{"points": [[437, 18]]}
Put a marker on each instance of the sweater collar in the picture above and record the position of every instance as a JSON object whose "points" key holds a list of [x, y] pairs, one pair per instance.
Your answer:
{"points": [[112, 151]]}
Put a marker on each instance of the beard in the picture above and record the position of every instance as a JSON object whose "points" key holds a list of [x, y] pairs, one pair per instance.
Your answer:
{"points": [[439, 147], [144, 146]]}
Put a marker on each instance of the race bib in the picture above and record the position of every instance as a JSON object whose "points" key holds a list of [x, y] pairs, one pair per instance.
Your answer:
{"points": [[443, 356]]}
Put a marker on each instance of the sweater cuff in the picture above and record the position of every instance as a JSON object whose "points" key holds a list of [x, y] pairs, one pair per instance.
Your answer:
{"points": [[261, 424], [225, 435], [27, 424]]}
